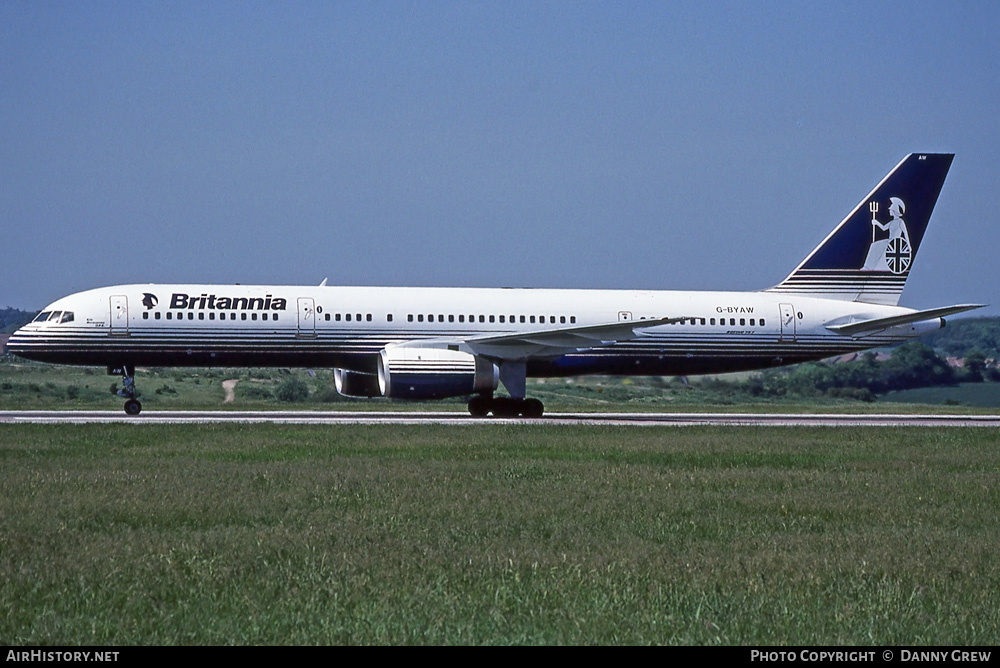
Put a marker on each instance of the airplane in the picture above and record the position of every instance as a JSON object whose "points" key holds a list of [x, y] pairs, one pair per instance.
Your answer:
{"points": [[431, 343]]}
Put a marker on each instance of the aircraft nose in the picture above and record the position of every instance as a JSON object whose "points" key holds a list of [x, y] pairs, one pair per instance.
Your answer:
{"points": [[19, 343]]}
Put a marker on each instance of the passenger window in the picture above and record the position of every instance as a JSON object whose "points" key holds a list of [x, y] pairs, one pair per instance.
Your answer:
{"points": [[190, 315], [156, 315], [420, 317], [572, 319], [201, 315], [762, 322], [388, 317], [451, 318], [170, 315], [348, 317], [482, 318], [336, 317], [440, 318], [753, 323], [461, 318], [532, 320], [409, 317], [368, 317], [493, 318], [562, 319], [522, 319], [743, 322], [732, 322], [145, 315], [253, 316], [243, 316], [501, 318]]}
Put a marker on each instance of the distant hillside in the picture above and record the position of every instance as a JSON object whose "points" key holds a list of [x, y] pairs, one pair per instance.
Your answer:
{"points": [[12, 318], [964, 335]]}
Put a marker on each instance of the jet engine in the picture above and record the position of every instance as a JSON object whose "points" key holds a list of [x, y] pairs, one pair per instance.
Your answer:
{"points": [[434, 373]]}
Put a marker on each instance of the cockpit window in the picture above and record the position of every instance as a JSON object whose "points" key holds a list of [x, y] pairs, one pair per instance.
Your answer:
{"points": [[54, 316]]}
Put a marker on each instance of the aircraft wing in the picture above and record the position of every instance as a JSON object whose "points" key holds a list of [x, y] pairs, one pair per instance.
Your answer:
{"points": [[555, 342], [877, 324]]}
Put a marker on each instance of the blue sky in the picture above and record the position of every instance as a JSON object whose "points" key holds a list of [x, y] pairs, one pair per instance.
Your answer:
{"points": [[661, 145]]}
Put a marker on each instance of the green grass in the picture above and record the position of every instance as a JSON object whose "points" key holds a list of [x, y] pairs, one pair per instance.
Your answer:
{"points": [[979, 395], [144, 534], [27, 385]]}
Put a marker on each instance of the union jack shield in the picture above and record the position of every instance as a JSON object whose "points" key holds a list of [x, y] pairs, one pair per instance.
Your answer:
{"points": [[898, 255]]}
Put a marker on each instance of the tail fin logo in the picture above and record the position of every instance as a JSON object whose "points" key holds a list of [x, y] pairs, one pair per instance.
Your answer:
{"points": [[890, 248]]}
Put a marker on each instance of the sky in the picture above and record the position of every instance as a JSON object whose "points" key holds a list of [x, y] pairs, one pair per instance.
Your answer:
{"points": [[636, 145]]}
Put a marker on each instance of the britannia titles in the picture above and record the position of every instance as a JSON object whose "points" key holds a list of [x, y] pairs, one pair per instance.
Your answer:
{"points": [[179, 300]]}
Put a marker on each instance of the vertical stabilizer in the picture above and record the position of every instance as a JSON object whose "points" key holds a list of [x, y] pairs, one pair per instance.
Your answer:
{"points": [[868, 257]]}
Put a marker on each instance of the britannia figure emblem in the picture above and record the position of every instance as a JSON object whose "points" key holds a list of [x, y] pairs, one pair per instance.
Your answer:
{"points": [[890, 250]]}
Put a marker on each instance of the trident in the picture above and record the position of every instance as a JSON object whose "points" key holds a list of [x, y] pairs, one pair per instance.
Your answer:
{"points": [[873, 207]]}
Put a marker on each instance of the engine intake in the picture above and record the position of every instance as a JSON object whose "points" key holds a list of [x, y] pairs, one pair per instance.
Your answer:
{"points": [[434, 373], [356, 384]]}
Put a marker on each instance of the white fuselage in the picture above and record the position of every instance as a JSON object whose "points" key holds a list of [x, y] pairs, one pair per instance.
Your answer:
{"points": [[347, 327]]}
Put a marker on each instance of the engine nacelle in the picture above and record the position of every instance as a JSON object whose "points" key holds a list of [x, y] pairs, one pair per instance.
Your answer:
{"points": [[434, 373], [356, 384]]}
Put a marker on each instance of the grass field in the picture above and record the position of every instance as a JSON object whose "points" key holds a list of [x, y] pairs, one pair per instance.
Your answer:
{"points": [[985, 395], [143, 534], [27, 385]]}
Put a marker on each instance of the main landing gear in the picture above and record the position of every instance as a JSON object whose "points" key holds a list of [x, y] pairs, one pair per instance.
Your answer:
{"points": [[132, 405], [513, 375], [483, 405]]}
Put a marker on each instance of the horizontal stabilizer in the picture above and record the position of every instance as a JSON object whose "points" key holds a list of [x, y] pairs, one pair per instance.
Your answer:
{"points": [[877, 324]]}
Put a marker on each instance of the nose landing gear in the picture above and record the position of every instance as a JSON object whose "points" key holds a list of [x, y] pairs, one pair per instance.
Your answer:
{"points": [[132, 405]]}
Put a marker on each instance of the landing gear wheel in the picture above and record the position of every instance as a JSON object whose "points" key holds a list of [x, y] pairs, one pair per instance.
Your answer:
{"points": [[533, 408], [508, 408], [480, 406], [132, 407]]}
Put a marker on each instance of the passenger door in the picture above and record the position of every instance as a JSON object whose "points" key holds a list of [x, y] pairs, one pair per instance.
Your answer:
{"points": [[787, 321], [307, 317], [119, 315]]}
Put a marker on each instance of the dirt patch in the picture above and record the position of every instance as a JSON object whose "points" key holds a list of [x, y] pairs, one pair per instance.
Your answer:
{"points": [[230, 387]]}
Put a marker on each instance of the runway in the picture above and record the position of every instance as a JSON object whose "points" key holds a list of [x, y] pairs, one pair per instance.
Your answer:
{"points": [[464, 419]]}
